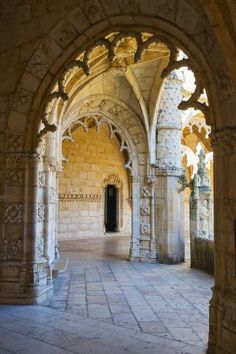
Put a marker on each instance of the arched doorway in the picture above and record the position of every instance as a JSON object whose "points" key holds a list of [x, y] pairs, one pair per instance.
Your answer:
{"points": [[111, 208]]}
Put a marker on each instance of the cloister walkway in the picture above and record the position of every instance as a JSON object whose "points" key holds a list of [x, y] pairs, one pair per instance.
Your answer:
{"points": [[105, 304]]}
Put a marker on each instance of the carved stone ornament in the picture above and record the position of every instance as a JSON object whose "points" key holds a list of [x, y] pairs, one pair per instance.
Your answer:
{"points": [[22, 100], [204, 180], [15, 143], [55, 167], [141, 159], [112, 179], [42, 179], [146, 192], [144, 229], [41, 212], [145, 211], [13, 213], [12, 249], [39, 247], [14, 177], [36, 272], [72, 197]]}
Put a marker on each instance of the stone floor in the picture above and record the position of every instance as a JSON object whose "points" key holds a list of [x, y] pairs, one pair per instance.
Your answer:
{"points": [[105, 304]]}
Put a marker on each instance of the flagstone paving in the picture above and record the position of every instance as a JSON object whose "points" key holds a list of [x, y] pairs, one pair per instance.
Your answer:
{"points": [[105, 304]]}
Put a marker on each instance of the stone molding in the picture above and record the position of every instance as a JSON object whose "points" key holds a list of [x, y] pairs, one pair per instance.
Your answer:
{"points": [[71, 197]]}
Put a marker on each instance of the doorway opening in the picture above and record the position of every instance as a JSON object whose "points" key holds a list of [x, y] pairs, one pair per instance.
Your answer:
{"points": [[111, 199]]}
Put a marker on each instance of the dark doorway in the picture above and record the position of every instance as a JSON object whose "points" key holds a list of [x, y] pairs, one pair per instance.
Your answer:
{"points": [[110, 208]]}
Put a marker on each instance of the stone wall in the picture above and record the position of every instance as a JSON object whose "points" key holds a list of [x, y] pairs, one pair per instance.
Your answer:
{"points": [[204, 255], [92, 157]]}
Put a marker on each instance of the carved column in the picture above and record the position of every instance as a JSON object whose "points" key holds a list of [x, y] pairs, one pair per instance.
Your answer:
{"points": [[201, 219], [134, 245], [25, 275], [222, 333], [169, 201]]}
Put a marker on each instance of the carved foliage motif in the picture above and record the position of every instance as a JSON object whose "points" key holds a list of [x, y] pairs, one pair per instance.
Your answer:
{"points": [[14, 176], [12, 249], [13, 213]]}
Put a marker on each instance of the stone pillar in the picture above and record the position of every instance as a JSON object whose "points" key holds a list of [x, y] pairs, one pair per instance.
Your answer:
{"points": [[169, 201], [201, 218], [134, 244], [25, 274], [222, 331]]}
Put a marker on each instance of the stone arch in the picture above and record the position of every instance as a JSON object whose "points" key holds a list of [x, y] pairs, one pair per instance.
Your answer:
{"points": [[65, 37], [177, 19], [121, 119]]}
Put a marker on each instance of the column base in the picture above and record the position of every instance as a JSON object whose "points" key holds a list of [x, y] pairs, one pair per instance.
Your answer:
{"points": [[35, 297]]}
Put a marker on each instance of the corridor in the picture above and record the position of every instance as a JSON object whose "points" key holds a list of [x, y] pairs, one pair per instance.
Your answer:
{"points": [[105, 304]]}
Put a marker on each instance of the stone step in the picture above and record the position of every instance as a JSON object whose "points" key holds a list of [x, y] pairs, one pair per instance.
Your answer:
{"points": [[59, 266]]}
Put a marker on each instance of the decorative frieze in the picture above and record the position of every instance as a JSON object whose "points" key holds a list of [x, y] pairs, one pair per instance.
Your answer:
{"points": [[13, 213], [70, 197]]}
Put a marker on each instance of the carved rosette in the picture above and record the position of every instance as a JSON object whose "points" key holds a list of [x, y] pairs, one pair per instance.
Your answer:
{"points": [[13, 213]]}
